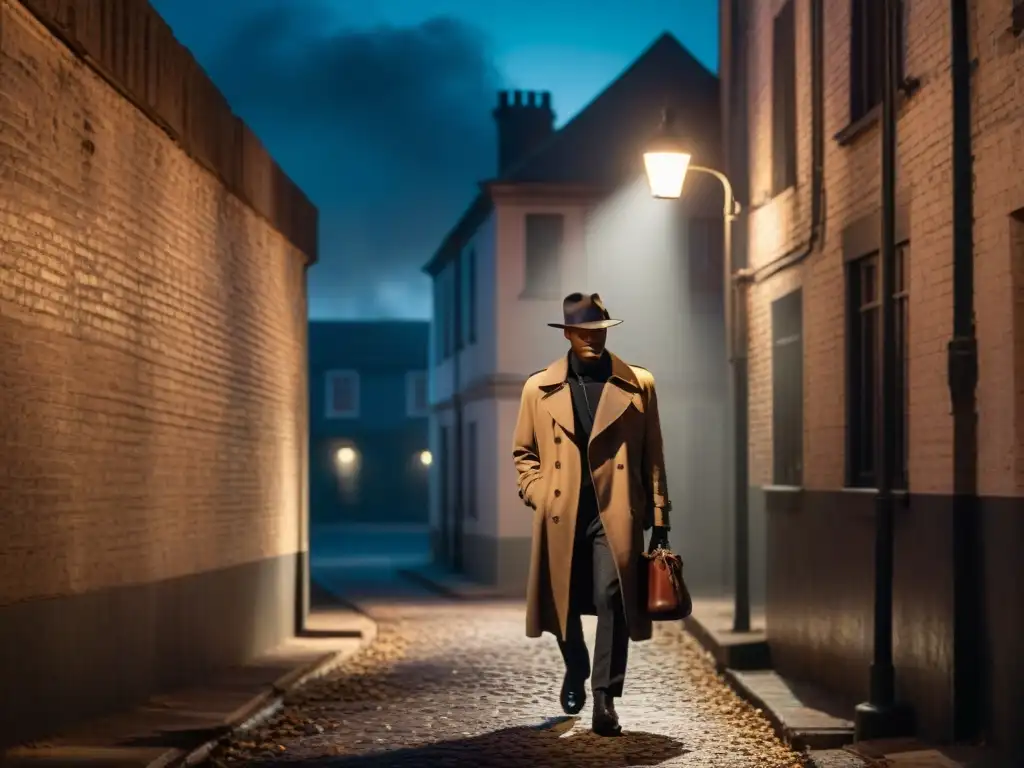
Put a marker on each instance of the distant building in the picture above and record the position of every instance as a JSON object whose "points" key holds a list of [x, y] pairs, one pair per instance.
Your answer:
{"points": [[804, 84], [369, 455], [564, 212]]}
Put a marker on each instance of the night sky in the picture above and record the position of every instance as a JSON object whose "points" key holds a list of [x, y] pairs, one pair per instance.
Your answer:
{"points": [[380, 109]]}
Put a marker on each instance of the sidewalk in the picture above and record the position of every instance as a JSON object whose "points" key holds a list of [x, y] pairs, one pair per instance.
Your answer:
{"points": [[179, 728], [805, 717]]}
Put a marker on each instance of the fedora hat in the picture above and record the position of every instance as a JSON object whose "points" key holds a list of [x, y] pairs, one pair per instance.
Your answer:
{"points": [[584, 311]]}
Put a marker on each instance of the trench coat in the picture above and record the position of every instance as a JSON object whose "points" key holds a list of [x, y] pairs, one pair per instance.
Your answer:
{"points": [[628, 465]]}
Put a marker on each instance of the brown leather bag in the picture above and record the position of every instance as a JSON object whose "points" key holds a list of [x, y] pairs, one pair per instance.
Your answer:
{"points": [[668, 599]]}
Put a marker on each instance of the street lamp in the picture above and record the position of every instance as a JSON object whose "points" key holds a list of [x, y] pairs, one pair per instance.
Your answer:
{"points": [[667, 162], [426, 458]]}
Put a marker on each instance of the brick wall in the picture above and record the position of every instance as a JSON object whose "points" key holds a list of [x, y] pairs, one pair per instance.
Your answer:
{"points": [[152, 375], [852, 179]]}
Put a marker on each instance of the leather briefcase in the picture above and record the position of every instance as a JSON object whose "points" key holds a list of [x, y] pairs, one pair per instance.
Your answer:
{"points": [[668, 598]]}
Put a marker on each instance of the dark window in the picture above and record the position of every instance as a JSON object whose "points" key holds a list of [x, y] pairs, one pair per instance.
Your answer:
{"points": [[341, 395], [867, 60], [784, 99], [545, 238], [448, 310], [417, 404], [470, 293], [865, 369], [788, 389], [438, 329], [444, 496], [472, 465]]}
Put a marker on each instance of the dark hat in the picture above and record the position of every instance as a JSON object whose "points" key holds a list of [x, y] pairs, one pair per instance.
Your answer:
{"points": [[584, 311]]}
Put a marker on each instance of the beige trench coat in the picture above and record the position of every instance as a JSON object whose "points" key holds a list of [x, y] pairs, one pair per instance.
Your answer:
{"points": [[628, 464]]}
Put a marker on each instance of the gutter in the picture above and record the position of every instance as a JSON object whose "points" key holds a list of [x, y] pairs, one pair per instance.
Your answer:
{"points": [[805, 249]]}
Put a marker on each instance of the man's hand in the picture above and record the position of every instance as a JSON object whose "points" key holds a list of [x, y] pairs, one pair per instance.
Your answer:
{"points": [[659, 538]]}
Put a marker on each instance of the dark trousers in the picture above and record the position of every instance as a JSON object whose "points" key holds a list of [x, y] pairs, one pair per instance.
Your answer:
{"points": [[593, 570]]}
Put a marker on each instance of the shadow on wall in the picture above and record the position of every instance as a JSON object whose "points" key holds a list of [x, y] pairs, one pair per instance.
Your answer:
{"points": [[661, 273]]}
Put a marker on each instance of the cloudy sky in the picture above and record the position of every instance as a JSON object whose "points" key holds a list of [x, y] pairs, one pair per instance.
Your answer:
{"points": [[380, 109]]}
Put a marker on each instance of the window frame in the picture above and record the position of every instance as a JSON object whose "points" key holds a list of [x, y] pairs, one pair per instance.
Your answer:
{"points": [[411, 380], [788, 447], [784, 111], [862, 433], [865, 45], [332, 376]]}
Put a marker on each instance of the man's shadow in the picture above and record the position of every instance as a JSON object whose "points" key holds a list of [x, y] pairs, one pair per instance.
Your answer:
{"points": [[539, 746]]}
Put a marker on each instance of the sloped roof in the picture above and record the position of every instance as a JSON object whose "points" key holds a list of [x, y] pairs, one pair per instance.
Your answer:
{"points": [[602, 146]]}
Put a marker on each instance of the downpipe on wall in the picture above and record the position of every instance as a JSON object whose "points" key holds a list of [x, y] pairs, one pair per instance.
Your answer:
{"points": [[968, 617], [882, 716]]}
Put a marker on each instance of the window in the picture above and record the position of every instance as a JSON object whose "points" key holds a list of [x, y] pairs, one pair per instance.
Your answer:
{"points": [[784, 99], [417, 403], [472, 466], [545, 237], [867, 63], [341, 395], [788, 389], [438, 325], [865, 368], [469, 296], [447, 312]]}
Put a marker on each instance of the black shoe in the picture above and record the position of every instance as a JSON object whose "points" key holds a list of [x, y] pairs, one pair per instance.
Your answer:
{"points": [[606, 719], [573, 696]]}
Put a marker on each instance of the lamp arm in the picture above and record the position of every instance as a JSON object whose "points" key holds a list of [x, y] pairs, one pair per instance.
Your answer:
{"points": [[732, 207]]}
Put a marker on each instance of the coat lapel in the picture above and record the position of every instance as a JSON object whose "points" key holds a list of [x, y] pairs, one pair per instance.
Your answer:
{"points": [[557, 400], [621, 391]]}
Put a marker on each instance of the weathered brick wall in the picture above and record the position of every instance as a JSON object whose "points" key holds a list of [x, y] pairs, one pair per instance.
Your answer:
{"points": [[152, 387], [999, 250], [852, 178]]}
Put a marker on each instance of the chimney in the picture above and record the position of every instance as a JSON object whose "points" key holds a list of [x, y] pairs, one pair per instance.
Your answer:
{"points": [[524, 121]]}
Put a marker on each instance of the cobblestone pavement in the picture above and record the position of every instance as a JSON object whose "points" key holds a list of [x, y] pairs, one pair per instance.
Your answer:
{"points": [[458, 684]]}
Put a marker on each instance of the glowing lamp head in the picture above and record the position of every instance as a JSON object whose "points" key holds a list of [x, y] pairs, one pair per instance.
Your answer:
{"points": [[666, 161], [346, 456], [426, 458]]}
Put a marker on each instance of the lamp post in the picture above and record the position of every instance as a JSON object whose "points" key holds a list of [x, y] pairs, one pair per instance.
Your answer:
{"points": [[667, 162]]}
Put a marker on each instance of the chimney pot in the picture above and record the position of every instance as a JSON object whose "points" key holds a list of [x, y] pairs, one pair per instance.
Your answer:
{"points": [[545, 99], [502, 99], [531, 98], [518, 98]]}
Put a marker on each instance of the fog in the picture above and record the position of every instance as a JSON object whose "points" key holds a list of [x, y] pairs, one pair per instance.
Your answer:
{"points": [[660, 271]]}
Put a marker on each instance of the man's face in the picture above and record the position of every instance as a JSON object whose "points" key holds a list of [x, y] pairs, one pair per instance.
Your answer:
{"points": [[587, 344]]}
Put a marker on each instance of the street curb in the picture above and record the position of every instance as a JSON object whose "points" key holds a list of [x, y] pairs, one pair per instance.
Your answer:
{"points": [[730, 653], [266, 704]]}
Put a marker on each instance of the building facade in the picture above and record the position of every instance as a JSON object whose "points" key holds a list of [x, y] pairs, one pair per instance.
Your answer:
{"points": [[569, 210], [802, 93], [152, 371], [368, 446]]}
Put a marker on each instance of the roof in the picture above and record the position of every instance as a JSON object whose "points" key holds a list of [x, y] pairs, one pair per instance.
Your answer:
{"points": [[602, 146]]}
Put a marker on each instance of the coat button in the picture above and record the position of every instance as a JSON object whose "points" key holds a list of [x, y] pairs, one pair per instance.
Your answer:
{"points": [[555, 519], [621, 466], [557, 439], [557, 493], [558, 465]]}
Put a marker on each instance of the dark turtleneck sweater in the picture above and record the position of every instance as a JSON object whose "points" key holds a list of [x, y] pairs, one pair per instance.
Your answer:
{"points": [[586, 383]]}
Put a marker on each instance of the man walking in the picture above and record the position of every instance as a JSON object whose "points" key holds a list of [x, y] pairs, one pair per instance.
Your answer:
{"points": [[588, 451]]}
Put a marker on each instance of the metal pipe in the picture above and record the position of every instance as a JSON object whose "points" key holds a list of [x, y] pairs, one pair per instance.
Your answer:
{"points": [[881, 716], [968, 621], [735, 318]]}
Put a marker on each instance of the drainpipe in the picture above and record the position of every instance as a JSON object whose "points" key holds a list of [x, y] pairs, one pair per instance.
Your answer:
{"points": [[882, 717], [963, 377], [805, 249]]}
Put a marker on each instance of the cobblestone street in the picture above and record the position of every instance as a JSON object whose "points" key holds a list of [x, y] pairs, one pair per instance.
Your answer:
{"points": [[457, 684]]}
